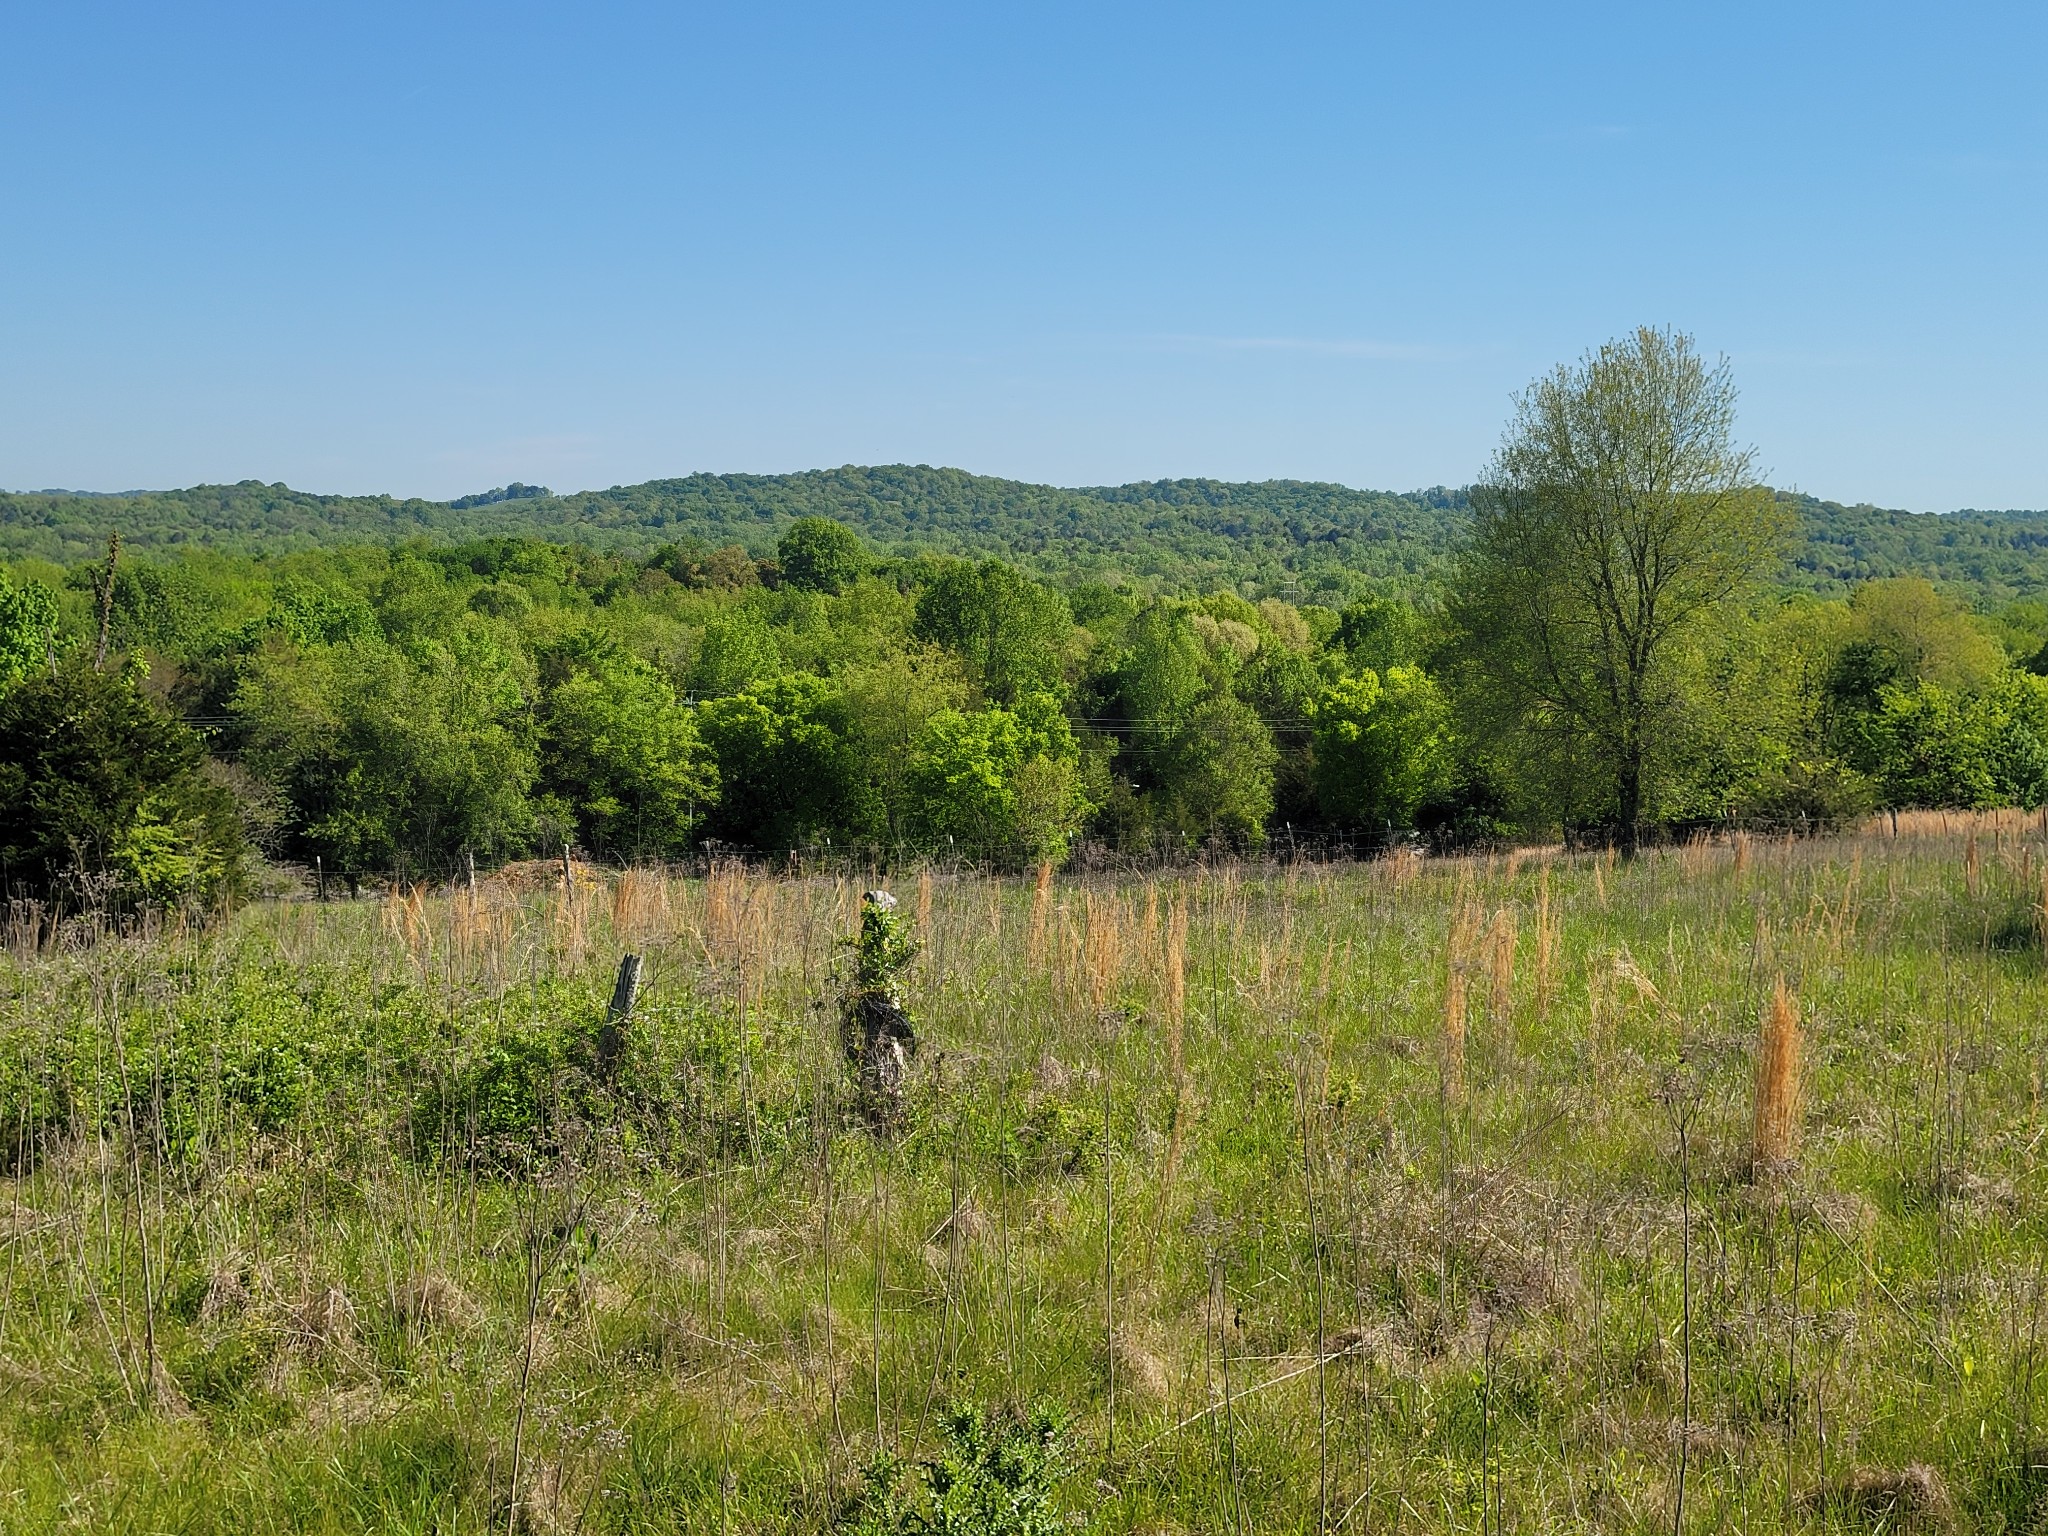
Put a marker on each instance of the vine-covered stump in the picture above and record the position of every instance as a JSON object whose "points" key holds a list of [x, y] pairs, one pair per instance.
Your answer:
{"points": [[876, 1029]]}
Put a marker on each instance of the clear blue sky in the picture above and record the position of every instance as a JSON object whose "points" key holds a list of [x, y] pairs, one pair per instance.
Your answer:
{"points": [[427, 248]]}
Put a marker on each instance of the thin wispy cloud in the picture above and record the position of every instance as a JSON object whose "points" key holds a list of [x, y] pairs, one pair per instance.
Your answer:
{"points": [[1316, 346]]}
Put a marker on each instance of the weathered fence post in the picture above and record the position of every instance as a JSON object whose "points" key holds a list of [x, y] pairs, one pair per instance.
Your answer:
{"points": [[625, 995]]}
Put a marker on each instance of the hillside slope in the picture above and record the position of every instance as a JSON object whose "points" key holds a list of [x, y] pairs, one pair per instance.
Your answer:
{"points": [[1274, 534]]}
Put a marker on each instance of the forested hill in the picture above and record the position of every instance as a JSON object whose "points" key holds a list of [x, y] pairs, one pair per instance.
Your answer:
{"points": [[1183, 532], [1277, 534]]}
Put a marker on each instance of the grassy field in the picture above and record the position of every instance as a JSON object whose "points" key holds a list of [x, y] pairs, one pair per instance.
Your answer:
{"points": [[1525, 1193]]}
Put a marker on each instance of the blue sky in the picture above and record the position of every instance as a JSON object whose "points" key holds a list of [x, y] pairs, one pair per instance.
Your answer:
{"points": [[428, 248]]}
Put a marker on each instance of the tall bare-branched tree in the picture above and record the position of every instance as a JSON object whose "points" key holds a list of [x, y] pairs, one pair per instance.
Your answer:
{"points": [[1617, 516]]}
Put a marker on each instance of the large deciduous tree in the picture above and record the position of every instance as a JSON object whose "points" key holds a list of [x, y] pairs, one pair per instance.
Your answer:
{"points": [[1618, 515], [819, 555]]}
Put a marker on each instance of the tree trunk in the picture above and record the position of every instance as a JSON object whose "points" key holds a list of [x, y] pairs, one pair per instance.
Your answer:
{"points": [[1630, 808]]}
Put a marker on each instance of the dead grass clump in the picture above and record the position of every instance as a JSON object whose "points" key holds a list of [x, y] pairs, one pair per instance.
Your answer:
{"points": [[1139, 1371], [725, 898], [1104, 950], [1780, 1090], [1695, 855], [1913, 1497], [570, 918], [227, 1293], [968, 1224], [405, 919], [523, 877], [325, 1323], [1610, 979], [428, 1302], [349, 1409], [1174, 981], [1376, 1345]]}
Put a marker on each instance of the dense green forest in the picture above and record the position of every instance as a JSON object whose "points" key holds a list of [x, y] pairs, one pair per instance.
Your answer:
{"points": [[393, 712], [1311, 542]]}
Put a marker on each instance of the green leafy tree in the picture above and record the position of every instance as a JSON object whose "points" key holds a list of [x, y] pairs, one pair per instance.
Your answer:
{"points": [[1381, 632], [415, 601], [1616, 520], [1766, 749], [28, 628], [1899, 633], [1282, 683], [1937, 747], [737, 652], [1199, 757], [819, 555], [395, 759], [999, 783], [890, 695], [307, 612], [1213, 774], [1902, 630], [104, 797], [1008, 628], [788, 769], [1382, 747], [621, 751]]}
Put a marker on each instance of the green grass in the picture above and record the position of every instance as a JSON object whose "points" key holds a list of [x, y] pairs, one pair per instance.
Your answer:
{"points": [[313, 1217]]}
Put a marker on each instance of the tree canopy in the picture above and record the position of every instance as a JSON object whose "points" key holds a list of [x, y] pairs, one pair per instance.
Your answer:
{"points": [[1616, 518]]}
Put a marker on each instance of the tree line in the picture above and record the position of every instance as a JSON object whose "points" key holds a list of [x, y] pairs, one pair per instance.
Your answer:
{"points": [[1313, 543], [1608, 656]]}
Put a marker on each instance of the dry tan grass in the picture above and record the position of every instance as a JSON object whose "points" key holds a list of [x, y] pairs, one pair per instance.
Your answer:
{"points": [[1501, 936], [1454, 1032], [640, 906], [324, 1322], [1774, 1138], [1103, 952], [1041, 904]]}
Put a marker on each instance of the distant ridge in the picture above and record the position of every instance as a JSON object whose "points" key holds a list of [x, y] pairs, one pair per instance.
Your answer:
{"points": [[1295, 536]]}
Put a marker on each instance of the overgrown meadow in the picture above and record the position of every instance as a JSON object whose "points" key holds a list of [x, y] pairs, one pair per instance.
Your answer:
{"points": [[1535, 1192]]}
